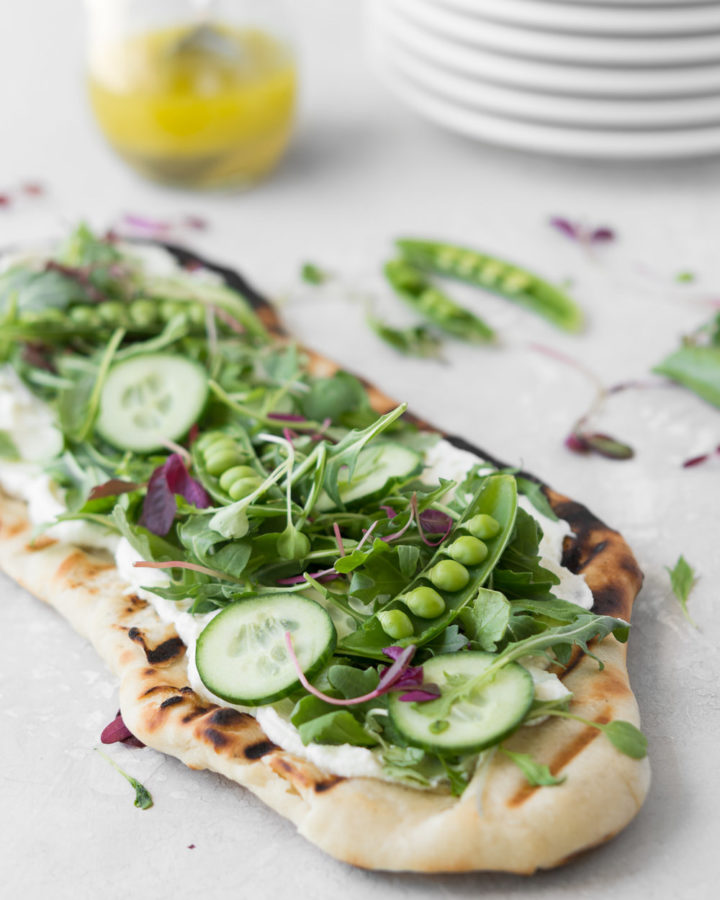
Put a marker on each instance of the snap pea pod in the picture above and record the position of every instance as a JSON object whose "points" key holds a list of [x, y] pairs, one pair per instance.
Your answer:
{"points": [[217, 456], [412, 286], [498, 498], [495, 275]]}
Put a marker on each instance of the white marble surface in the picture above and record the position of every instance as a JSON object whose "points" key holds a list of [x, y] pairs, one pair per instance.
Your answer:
{"points": [[362, 171]]}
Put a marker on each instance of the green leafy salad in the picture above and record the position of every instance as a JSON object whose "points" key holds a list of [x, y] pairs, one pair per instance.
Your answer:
{"points": [[330, 578]]}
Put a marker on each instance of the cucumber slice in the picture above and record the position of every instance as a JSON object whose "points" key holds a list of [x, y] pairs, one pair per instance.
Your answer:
{"points": [[480, 720], [241, 654], [378, 466], [150, 399]]}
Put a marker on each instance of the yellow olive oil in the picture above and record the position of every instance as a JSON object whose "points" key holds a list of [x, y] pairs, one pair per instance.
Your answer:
{"points": [[202, 106]]}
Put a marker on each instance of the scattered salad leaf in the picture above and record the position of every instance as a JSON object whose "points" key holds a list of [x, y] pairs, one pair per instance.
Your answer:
{"points": [[536, 774], [118, 732], [113, 488], [695, 367], [416, 340], [682, 580], [702, 458], [313, 274], [685, 277], [602, 444], [583, 234], [143, 800]]}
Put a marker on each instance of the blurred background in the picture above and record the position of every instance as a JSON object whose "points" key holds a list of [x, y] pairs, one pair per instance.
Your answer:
{"points": [[519, 127]]}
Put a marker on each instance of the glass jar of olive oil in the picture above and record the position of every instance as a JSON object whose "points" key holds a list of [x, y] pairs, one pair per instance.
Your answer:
{"points": [[198, 93]]}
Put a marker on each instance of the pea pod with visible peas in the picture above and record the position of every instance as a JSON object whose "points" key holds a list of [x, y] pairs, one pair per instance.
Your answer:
{"points": [[413, 287], [495, 275], [226, 465], [437, 595]]}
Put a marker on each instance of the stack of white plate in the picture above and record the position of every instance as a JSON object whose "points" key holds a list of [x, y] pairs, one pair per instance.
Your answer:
{"points": [[598, 78]]}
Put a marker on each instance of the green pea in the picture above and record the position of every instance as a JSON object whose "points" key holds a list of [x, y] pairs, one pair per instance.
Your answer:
{"points": [[242, 487], [196, 313], [515, 282], [483, 526], [143, 313], [112, 312], [171, 308], [85, 316], [235, 474], [207, 440], [491, 271], [425, 602], [449, 575], [395, 623], [221, 459], [467, 550]]}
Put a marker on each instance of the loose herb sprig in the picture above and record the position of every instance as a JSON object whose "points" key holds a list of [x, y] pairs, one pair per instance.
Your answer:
{"points": [[682, 581], [143, 799]]}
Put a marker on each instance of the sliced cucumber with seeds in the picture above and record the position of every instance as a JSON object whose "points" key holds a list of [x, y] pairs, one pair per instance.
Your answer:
{"points": [[241, 654], [378, 467], [482, 718], [147, 400]]}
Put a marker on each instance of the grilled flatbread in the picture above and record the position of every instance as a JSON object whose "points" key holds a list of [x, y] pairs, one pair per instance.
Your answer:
{"points": [[499, 823]]}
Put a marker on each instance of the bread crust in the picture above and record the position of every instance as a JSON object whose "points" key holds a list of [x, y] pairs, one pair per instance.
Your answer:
{"points": [[500, 823]]}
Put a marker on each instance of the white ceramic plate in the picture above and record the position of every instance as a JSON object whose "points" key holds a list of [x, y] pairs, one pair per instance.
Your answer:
{"points": [[516, 103], [541, 75], [575, 142], [601, 50], [620, 20]]}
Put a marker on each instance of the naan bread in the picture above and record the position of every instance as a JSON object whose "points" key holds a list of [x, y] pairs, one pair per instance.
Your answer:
{"points": [[499, 823]]}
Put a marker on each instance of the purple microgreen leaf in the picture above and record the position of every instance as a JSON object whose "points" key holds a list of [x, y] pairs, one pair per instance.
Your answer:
{"points": [[113, 488], [159, 506], [577, 443], [420, 695], [177, 448], [602, 235], [289, 435], [433, 521], [338, 539], [181, 482], [389, 511], [388, 680], [286, 417], [117, 732], [323, 575], [564, 226], [703, 458], [393, 651]]}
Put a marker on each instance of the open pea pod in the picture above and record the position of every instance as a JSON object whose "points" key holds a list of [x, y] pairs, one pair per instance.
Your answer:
{"points": [[498, 498], [497, 276], [245, 455]]}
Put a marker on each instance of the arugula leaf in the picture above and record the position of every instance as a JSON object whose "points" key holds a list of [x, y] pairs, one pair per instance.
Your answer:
{"points": [[486, 621], [359, 557], [37, 291], [682, 580], [337, 727], [535, 494], [696, 368], [536, 774], [448, 641], [352, 682], [150, 546], [143, 800], [417, 340], [624, 736], [329, 398], [8, 450], [519, 572]]}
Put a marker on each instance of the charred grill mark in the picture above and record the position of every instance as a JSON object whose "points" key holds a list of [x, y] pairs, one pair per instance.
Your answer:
{"points": [[194, 714], [225, 717], [259, 749], [565, 756], [42, 542], [216, 738], [328, 783], [166, 651], [171, 701], [153, 690], [611, 600], [163, 653]]}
